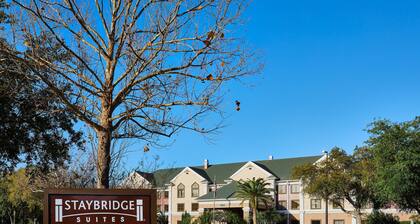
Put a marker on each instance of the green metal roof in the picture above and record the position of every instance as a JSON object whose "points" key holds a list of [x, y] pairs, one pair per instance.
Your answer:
{"points": [[280, 168], [224, 192]]}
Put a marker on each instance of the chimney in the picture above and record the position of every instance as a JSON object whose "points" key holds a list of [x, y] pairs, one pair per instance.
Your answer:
{"points": [[206, 164], [270, 157]]}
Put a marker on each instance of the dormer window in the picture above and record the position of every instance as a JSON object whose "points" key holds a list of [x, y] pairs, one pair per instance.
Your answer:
{"points": [[181, 191], [195, 190]]}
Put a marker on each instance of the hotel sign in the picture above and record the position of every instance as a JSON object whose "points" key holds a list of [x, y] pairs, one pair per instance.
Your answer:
{"points": [[100, 206]]}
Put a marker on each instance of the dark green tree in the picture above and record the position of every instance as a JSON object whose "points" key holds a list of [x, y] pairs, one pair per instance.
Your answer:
{"points": [[396, 155], [35, 128], [378, 217]]}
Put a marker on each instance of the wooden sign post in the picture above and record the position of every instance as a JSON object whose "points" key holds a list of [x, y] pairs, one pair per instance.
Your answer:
{"points": [[99, 206]]}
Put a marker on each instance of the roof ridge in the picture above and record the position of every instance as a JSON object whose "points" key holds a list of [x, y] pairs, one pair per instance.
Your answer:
{"points": [[237, 163]]}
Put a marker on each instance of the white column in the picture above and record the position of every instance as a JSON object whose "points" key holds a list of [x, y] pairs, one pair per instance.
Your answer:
{"points": [[246, 210], [170, 205], [302, 204], [288, 201]]}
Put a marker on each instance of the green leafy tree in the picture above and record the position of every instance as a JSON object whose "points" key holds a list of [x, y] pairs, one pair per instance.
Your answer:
{"points": [[396, 155], [255, 191], [317, 180], [21, 203], [34, 127], [352, 180], [341, 177]]}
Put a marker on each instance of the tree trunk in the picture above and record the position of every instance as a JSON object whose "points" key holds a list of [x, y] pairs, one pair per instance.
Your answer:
{"points": [[326, 210], [358, 217], [254, 215], [104, 146]]}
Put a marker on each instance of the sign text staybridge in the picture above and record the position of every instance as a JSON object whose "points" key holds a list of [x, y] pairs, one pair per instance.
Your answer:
{"points": [[97, 206]]}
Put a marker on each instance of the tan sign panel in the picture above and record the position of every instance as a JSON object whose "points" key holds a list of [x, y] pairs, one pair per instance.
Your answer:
{"points": [[99, 206]]}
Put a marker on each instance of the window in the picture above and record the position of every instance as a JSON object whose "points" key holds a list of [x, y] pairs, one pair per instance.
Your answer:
{"points": [[282, 205], [315, 203], [295, 204], [166, 194], [166, 208], [294, 188], [179, 222], [315, 221], [195, 190], [338, 221], [337, 202], [282, 189], [194, 207], [158, 194], [181, 191], [180, 207]]}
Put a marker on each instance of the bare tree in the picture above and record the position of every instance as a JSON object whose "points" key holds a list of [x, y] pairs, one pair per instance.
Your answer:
{"points": [[136, 68]]}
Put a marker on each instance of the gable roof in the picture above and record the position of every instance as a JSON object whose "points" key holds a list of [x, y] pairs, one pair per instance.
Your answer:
{"points": [[258, 166], [225, 192], [218, 173], [195, 170]]}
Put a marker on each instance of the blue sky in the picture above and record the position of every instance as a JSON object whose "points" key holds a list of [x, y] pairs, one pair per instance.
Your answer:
{"points": [[331, 68]]}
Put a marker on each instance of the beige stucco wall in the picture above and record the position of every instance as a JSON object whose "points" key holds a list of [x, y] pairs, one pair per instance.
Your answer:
{"points": [[331, 217], [250, 171], [187, 177]]}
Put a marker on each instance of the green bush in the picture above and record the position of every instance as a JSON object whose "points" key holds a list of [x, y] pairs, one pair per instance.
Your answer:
{"points": [[186, 218], [162, 218], [381, 218], [219, 216], [270, 217]]}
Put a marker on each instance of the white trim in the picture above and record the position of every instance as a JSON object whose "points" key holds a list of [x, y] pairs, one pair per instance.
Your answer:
{"points": [[185, 169], [253, 164], [323, 157]]}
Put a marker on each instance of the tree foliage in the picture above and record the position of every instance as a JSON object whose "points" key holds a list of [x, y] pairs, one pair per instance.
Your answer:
{"points": [[378, 217], [270, 216], [19, 203], [219, 216], [340, 177], [186, 218], [255, 191], [395, 149], [34, 126]]}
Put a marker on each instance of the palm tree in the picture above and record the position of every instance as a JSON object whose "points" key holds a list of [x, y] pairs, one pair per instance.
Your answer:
{"points": [[255, 191]]}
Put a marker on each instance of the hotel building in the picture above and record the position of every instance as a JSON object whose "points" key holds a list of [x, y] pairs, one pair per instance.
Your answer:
{"points": [[195, 189]]}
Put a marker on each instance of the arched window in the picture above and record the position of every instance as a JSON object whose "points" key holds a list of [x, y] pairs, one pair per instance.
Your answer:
{"points": [[181, 191], [195, 190]]}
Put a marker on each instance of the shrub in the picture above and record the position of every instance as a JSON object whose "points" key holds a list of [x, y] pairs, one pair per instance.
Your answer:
{"points": [[162, 218], [186, 218], [270, 217], [220, 217], [381, 218]]}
